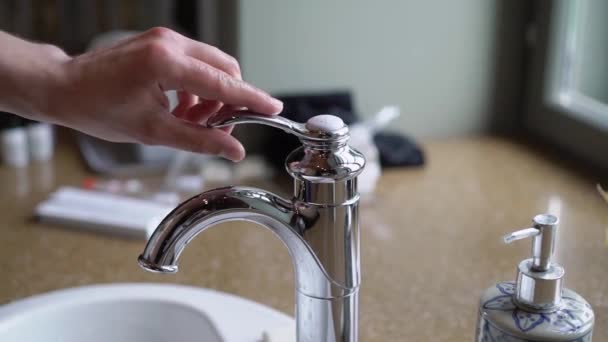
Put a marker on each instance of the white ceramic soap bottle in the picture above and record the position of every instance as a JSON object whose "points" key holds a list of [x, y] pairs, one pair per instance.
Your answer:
{"points": [[535, 307]]}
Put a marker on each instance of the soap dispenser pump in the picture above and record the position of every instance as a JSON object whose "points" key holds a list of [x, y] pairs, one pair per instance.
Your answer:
{"points": [[535, 307]]}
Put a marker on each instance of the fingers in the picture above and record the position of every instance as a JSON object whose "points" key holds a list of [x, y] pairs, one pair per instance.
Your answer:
{"points": [[213, 56], [201, 111], [229, 109], [187, 136], [185, 102], [203, 70], [208, 82], [198, 50]]}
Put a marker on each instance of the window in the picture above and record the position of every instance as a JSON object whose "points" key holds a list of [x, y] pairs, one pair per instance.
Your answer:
{"points": [[569, 94]]}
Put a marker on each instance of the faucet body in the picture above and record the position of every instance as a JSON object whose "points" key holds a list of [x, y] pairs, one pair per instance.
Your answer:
{"points": [[319, 226]]}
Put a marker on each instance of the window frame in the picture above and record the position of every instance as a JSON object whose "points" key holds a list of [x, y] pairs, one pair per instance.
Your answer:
{"points": [[557, 111]]}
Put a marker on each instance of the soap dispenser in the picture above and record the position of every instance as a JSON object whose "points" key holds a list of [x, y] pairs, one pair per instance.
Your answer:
{"points": [[535, 307]]}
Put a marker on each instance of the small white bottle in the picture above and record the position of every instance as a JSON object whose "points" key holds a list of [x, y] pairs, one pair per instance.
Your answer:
{"points": [[535, 307], [40, 139], [362, 139], [13, 139]]}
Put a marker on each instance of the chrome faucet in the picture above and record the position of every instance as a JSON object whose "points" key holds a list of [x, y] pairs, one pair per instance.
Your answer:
{"points": [[319, 226]]}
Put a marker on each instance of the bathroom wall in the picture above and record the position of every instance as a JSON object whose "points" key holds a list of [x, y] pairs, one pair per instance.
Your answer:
{"points": [[433, 58]]}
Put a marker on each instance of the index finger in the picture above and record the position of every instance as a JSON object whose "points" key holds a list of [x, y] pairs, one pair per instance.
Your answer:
{"points": [[208, 82], [213, 56]]}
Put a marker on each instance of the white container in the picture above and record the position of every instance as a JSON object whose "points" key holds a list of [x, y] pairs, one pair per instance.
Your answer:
{"points": [[362, 139], [41, 141], [14, 147]]}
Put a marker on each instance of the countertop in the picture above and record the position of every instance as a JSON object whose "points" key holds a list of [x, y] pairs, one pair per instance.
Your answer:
{"points": [[430, 240]]}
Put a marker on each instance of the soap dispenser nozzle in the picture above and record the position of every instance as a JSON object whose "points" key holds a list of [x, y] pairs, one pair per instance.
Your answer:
{"points": [[543, 231], [539, 280]]}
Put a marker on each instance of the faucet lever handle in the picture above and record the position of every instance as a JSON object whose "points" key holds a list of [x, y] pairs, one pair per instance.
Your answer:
{"points": [[318, 128]]}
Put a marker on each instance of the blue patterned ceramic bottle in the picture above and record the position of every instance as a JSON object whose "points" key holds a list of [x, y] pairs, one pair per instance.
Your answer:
{"points": [[535, 307]]}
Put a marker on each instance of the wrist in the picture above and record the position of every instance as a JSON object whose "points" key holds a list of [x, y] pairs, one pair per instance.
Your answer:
{"points": [[46, 82], [33, 73]]}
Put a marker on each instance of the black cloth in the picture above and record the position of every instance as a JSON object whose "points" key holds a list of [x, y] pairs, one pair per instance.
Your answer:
{"points": [[397, 150]]}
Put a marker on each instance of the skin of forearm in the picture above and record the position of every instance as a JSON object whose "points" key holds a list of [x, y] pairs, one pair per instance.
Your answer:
{"points": [[30, 74]]}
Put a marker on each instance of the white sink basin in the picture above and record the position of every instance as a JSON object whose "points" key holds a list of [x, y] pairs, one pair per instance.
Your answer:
{"points": [[137, 312]]}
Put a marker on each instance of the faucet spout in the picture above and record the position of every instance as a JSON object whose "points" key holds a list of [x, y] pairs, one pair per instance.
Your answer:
{"points": [[213, 207], [286, 219], [326, 283]]}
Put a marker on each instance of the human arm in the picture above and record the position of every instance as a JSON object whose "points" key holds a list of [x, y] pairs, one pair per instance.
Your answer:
{"points": [[117, 93]]}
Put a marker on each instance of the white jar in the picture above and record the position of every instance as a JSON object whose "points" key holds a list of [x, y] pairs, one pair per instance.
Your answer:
{"points": [[14, 147], [41, 141]]}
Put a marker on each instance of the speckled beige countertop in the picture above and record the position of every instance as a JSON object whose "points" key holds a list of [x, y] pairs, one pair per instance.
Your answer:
{"points": [[430, 241]]}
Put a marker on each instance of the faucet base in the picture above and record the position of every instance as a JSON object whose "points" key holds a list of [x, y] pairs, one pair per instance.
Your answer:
{"points": [[327, 319]]}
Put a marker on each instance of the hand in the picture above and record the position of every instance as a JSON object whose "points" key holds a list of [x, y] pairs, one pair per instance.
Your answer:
{"points": [[117, 93]]}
